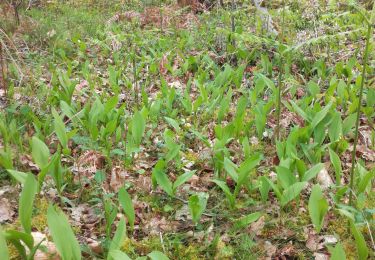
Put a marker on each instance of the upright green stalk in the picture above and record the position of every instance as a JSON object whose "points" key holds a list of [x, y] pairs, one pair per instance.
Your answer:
{"points": [[135, 83], [279, 80], [365, 60], [3, 69]]}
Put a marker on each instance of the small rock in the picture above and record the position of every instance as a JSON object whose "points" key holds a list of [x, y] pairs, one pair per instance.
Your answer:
{"points": [[324, 179], [329, 239], [6, 211]]}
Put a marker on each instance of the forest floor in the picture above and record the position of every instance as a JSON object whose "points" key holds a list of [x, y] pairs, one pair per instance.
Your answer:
{"points": [[214, 133]]}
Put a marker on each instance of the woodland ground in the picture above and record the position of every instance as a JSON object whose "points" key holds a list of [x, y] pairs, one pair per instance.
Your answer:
{"points": [[171, 120]]}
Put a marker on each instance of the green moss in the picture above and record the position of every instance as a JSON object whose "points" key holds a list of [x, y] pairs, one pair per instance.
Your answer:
{"points": [[39, 220]]}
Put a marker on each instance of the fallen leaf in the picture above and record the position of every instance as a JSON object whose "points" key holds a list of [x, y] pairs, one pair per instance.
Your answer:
{"points": [[118, 176], [87, 165], [257, 227]]}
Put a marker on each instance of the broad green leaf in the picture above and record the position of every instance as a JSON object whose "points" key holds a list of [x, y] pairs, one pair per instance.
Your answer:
{"points": [[197, 205], [119, 236], [60, 128], [162, 179], [299, 111], [285, 176], [40, 152], [118, 255], [365, 180], [173, 123], [318, 207], [226, 190], [62, 234], [335, 128], [127, 205], [26, 202], [247, 166], [156, 255], [321, 115], [66, 109], [313, 171], [4, 253], [292, 192], [264, 188], [231, 169], [182, 179], [173, 152], [336, 163], [19, 176], [348, 124], [274, 188], [14, 235], [337, 253], [246, 220], [111, 104], [138, 127], [360, 242]]}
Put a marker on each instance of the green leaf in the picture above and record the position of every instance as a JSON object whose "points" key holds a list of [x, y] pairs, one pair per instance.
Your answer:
{"points": [[118, 255], [292, 192], [162, 179], [247, 166], [111, 104], [335, 128], [197, 205], [245, 221], [119, 236], [336, 163], [321, 115], [365, 180], [264, 188], [182, 179], [318, 207], [40, 152], [26, 202], [173, 123], [312, 172], [62, 234], [138, 128], [127, 205], [14, 235], [337, 253], [274, 188], [285, 177], [299, 111], [60, 129], [4, 253], [66, 109], [360, 242], [231, 169], [227, 192], [156, 255], [348, 124], [19, 176]]}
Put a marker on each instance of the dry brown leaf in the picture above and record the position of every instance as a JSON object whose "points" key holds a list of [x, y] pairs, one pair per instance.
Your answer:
{"points": [[257, 227], [87, 165], [118, 176]]}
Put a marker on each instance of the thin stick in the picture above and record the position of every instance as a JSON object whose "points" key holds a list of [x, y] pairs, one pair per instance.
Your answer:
{"points": [[3, 70], [365, 59], [279, 81]]}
